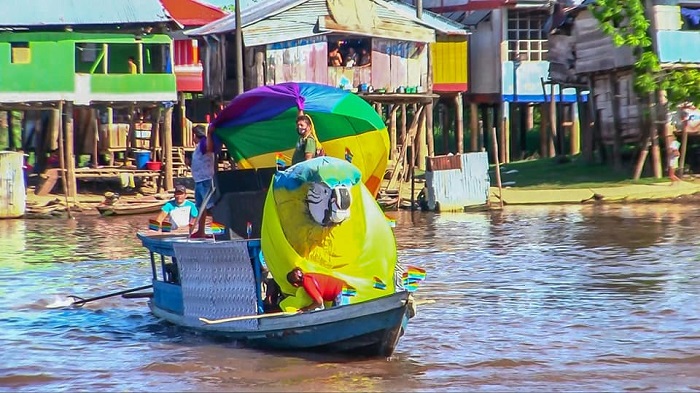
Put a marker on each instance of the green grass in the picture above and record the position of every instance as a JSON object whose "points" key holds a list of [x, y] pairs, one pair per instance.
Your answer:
{"points": [[547, 173]]}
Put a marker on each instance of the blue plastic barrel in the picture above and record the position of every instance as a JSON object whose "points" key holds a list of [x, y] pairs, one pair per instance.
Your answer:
{"points": [[142, 158]]}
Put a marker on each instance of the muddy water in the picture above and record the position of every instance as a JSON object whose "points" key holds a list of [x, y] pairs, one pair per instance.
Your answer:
{"points": [[554, 298]]}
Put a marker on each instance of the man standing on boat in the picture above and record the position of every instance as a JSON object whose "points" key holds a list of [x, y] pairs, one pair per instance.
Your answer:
{"points": [[320, 287], [180, 212], [203, 167]]}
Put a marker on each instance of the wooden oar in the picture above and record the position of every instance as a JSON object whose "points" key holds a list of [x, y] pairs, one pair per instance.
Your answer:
{"points": [[246, 317], [83, 301]]}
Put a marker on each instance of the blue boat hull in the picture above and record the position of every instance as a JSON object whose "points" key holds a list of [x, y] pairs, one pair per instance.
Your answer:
{"points": [[367, 329]]}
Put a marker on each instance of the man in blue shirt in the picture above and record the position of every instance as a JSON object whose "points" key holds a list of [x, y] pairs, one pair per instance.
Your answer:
{"points": [[181, 213]]}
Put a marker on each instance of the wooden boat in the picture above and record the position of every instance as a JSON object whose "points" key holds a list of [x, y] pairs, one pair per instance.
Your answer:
{"points": [[187, 287], [135, 207]]}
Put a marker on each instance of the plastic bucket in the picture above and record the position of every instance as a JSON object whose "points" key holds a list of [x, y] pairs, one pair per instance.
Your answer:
{"points": [[142, 158]]}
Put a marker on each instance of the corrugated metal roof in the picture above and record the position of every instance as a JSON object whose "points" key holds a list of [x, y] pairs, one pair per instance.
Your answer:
{"points": [[435, 21], [474, 17], [294, 23], [270, 22], [249, 15], [193, 12], [45, 13]]}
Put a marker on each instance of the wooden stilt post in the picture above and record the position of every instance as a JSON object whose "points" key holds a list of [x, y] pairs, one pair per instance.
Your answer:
{"points": [[95, 147], [575, 138], [498, 166], [130, 135], [553, 148], [684, 148], [404, 121], [70, 155], [544, 130], [155, 132], [168, 146], [421, 139], [392, 132], [58, 117], [459, 122], [430, 129], [488, 124], [443, 129], [474, 126], [617, 126]]}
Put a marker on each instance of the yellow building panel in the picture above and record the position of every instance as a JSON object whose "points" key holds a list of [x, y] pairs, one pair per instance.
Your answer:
{"points": [[450, 61]]}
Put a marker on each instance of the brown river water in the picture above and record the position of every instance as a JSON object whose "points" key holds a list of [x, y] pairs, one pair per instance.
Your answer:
{"points": [[554, 298]]}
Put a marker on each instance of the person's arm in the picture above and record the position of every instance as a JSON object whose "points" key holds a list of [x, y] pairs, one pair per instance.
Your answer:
{"points": [[314, 294], [164, 212], [161, 216], [310, 148], [210, 139], [194, 212]]}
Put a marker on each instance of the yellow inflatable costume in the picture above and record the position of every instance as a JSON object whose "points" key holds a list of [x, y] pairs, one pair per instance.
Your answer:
{"points": [[320, 217]]}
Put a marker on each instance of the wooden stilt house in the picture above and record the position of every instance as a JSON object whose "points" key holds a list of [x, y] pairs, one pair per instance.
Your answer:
{"points": [[92, 55]]}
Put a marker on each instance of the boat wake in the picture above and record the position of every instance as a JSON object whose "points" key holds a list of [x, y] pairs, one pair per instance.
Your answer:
{"points": [[61, 301]]}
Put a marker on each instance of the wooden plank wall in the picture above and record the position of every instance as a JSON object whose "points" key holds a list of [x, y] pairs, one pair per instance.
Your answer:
{"points": [[561, 58], [594, 49], [629, 108]]}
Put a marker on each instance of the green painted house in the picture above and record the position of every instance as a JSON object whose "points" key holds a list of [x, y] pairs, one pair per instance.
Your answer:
{"points": [[80, 52]]}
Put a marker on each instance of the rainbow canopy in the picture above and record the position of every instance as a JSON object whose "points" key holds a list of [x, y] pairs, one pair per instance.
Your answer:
{"points": [[259, 127]]}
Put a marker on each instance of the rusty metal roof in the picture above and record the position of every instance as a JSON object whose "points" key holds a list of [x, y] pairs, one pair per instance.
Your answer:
{"points": [[47, 13]]}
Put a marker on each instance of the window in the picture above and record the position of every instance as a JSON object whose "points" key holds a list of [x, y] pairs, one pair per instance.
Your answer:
{"points": [[21, 53], [525, 36], [349, 51]]}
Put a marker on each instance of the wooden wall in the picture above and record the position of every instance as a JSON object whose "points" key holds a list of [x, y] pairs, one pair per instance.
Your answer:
{"points": [[594, 49], [629, 113]]}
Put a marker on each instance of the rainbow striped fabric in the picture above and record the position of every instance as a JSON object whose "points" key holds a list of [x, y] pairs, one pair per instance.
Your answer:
{"points": [[166, 227], [379, 284], [153, 225], [348, 291], [348, 154], [279, 160], [412, 277], [217, 229]]}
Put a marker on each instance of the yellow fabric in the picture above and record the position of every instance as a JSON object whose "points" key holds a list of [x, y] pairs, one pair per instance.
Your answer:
{"points": [[355, 251], [370, 155]]}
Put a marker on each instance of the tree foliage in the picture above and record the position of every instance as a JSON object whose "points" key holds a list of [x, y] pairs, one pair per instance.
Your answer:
{"points": [[626, 23]]}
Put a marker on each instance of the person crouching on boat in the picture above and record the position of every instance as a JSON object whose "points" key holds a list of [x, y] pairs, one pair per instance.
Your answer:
{"points": [[181, 213], [320, 288]]}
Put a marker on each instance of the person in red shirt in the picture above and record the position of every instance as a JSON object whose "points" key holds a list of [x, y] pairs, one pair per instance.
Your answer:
{"points": [[320, 287]]}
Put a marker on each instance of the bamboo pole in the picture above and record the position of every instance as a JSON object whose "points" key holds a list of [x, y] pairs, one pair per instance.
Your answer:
{"points": [[498, 165]]}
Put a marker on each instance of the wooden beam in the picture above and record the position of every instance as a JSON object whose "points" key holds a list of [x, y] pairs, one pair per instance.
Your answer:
{"points": [[617, 126], [155, 132]]}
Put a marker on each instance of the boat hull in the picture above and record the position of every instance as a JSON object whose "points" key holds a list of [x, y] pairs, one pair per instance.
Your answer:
{"points": [[371, 328], [130, 209]]}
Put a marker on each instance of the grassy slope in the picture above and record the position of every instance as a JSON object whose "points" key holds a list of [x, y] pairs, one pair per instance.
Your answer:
{"points": [[548, 174]]}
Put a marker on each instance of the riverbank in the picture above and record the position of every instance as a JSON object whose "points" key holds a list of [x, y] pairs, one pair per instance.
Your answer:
{"points": [[685, 191]]}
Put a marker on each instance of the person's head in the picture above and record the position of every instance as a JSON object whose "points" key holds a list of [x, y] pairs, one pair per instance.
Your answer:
{"points": [[198, 132], [351, 51], [131, 59], [180, 194], [303, 125], [295, 277], [363, 51]]}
